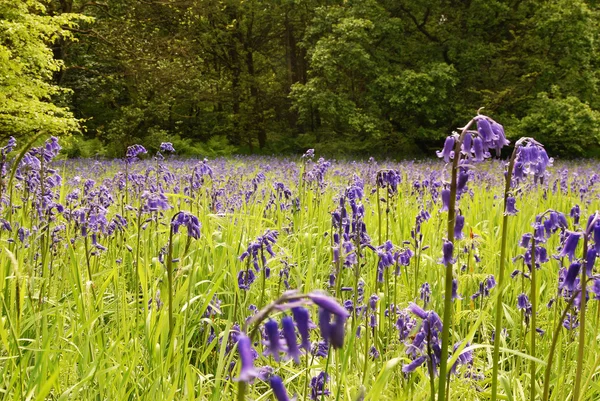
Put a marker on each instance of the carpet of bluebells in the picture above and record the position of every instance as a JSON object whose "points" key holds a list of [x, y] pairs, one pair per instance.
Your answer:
{"points": [[156, 278]]}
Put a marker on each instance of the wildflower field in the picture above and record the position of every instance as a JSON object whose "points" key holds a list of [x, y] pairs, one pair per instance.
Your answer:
{"points": [[256, 278]]}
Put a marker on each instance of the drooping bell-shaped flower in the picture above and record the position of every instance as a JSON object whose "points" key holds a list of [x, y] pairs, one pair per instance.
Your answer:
{"points": [[289, 333], [571, 276], [458, 227], [590, 260], [510, 205], [274, 346], [326, 302], [570, 245], [445, 200], [448, 252], [247, 371], [188, 220], [302, 318], [338, 331], [278, 388], [167, 147], [448, 152]]}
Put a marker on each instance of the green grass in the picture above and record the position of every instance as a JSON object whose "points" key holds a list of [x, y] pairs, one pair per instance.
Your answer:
{"points": [[67, 336]]}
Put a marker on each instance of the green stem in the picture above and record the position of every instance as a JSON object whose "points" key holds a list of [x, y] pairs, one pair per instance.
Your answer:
{"points": [[170, 282], [582, 308], [498, 320], [533, 316], [553, 345], [448, 281]]}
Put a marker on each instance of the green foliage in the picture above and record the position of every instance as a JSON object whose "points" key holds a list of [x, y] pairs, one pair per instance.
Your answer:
{"points": [[27, 65], [376, 76], [78, 146], [566, 126]]}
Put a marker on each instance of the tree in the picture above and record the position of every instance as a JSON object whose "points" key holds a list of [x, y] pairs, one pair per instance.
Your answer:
{"points": [[28, 97]]}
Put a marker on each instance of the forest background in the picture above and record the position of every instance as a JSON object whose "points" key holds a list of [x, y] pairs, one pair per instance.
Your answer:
{"points": [[388, 78]]}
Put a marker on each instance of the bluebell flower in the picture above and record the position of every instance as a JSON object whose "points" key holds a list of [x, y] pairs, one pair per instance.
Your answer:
{"points": [[458, 227], [575, 214], [338, 331], [289, 333], [445, 200], [455, 294], [247, 371], [590, 260], [278, 388], [523, 304], [302, 318], [188, 220], [485, 130], [134, 151], [572, 273], [525, 240], [510, 205], [448, 252], [570, 245], [317, 386], [274, 347], [448, 152], [167, 147], [425, 293], [411, 367]]}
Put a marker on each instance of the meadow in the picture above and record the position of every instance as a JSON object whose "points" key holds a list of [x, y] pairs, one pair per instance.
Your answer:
{"points": [[259, 278]]}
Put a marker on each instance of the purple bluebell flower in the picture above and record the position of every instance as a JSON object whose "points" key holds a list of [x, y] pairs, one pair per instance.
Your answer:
{"points": [[309, 154], [445, 200], [510, 205], [411, 367], [590, 260], [596, 235], [328, 303], [134, 151], [448, 252], [458, 227], [321, 349], [455, 294], [575, 214], [570, 245], [480, 154], [571, 276], [462, 179], [278, 388], [373, 301], [448, 152], [302, 318], [524, 304], [325, 323], [485, 130], [247, 371], [525, 240], [188, 220], [274, 346], [289, 333], [338, 331], [167, 147], [571, 322], [425, 293], [317, 386]]}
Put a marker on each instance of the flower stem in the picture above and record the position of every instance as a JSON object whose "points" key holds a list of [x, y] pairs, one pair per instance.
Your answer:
{"points": [[498, 322], [533, 315], [170, 282], [553, 346], [582, 308], [449, 278]]}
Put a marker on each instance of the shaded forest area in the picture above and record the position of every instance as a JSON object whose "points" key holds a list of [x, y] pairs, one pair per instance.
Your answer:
{"points": [[378, 77]]}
